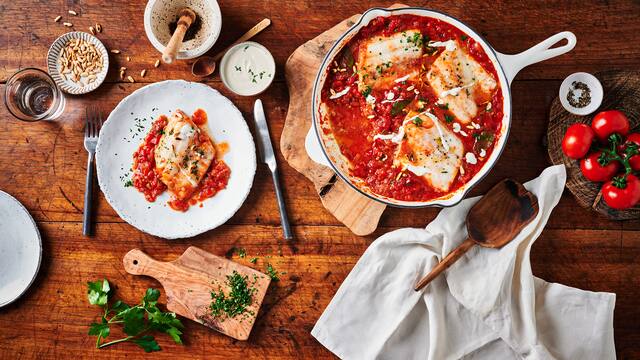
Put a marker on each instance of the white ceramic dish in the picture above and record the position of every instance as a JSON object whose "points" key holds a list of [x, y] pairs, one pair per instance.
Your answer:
{"points": [[263, 73], [53, 67], [595, 87], [20, 249], [158, 14], [323, 148], [122, 134]]}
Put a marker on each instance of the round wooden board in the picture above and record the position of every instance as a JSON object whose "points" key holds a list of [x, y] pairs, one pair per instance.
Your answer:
{"points": [[621, 92]]}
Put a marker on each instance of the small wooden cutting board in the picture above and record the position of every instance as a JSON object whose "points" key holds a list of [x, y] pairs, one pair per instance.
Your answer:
{"points": [[189, 280], [359, 213]]}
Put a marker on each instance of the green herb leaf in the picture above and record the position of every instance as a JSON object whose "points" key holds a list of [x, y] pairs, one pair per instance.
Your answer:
{"points": [[367, 91], [398, 106], [98, 292], [236, 303], [448, 118], [133, 321], [273, 274], [417, 120], [148, 343], [150, 297], [101, 330], [242, 253]]}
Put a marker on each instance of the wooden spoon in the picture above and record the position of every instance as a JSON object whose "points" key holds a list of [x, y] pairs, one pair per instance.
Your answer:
{"points": [[492, 222], [186, 17], [206, 65]]}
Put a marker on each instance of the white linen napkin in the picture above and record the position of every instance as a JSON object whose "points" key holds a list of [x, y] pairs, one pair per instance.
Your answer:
{"points": [[488, 305]]}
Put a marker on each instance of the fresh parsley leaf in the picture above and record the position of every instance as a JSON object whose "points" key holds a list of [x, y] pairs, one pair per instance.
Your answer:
{"points": [[150, 297], [398, 106], [448, 118], [367, 91], [464, 37], [273, 274], [133, 321], [253, 260], [98, 292], [148, 343], [101, 330], [241, 253], [417, 121]]}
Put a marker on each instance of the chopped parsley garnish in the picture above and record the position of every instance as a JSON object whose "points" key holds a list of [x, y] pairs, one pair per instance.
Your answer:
{"points": [[367, 91], [128, 183], [417, 121], [448, 118], [238, 68], [273, 274], [443, 106], [241, 253], [398, 106], [253, 260], [240, 297], [464, 37]]}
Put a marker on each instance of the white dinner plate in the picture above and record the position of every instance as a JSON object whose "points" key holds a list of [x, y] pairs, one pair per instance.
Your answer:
{"points": [[127, 126], [20, 249]]}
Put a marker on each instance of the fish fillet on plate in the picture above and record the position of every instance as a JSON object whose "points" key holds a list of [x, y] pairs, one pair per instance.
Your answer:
{"points": [[183, 155], [461, 82], [384, 59], [430, 150]]}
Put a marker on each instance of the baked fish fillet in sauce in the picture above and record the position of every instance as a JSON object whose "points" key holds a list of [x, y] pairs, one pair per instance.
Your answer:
{"points": [[183, 155], [383, 59], [461, 82], [430, 150]]}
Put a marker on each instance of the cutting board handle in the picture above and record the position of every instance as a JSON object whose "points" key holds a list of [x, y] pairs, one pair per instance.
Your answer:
{"points": [[137, 262]]}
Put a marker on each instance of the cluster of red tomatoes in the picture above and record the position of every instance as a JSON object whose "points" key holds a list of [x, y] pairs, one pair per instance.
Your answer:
{"points": [[609, 154]]}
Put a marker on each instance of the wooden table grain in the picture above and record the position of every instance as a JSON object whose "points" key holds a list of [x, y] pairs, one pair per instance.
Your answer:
{"points": [[43, 165]]}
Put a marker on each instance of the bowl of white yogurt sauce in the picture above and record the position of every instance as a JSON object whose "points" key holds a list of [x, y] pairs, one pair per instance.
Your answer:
{"points": [[247, 69]]}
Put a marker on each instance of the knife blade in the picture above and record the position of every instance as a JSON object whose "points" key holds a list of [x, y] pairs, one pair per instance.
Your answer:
{"points": [[265, 150]]}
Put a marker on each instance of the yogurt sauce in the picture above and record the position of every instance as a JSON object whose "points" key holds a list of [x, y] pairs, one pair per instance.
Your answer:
{"points": [[248, 68]]}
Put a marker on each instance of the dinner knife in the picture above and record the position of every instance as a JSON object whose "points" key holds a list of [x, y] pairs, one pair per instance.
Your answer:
{"points": [[266, 156]]}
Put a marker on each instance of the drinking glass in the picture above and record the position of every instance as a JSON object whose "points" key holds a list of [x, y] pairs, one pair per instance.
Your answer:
{"points": [[32, 95]]}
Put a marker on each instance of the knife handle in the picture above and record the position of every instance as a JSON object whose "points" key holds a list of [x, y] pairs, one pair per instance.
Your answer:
{"points": [[284, 219]]}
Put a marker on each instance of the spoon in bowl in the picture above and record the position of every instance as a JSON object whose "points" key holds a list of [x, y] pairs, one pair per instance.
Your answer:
{"points": [[206, 65], [492, 222]]}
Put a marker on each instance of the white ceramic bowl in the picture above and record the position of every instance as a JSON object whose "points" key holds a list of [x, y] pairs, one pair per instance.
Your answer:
{"points": [[595, 87], [53, 67], [160, 13], [271, 69]]}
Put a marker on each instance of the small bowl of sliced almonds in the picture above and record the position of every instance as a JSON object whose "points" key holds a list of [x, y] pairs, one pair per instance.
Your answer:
{"points": [[78, 62]]}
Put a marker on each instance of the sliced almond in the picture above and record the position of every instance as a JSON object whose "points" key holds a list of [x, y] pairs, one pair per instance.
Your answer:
{"points": [[99, 28], [115, 51], [92, 30], [130, 79], [72, 12], [157, 63], [128, 58], [57, 18], [143, 72], [67, 24]]}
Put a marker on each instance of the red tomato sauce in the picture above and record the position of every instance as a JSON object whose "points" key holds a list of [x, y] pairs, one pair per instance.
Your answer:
{"points": [[372, 161], [144, 177], [147, 180]]}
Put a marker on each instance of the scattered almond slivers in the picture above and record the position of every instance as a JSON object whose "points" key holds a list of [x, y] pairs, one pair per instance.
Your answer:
{"points": [[67, 24], [98, 28], [128, 58], [143, 72], [115, 51], [72, 12], [57, 18], [157, 63], [92, 30], [130, 79]]}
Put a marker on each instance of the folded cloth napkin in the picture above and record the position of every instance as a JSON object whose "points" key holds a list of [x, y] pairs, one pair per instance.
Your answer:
{"points": [[488, 305]]}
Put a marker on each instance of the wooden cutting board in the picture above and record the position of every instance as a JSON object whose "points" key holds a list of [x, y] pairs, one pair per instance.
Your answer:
{"points": [[359, 213], [189, 280], [621, 92]]}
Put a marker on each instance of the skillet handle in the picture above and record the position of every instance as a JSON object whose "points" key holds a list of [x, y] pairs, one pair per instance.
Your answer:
{"points": [[512, 64]]}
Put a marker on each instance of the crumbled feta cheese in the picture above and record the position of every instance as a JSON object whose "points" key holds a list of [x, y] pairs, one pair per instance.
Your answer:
{"points": [[483, 153], [404, 78], [341, 93], [456, 127], [449, 45], [390, 95], [370, 99], [470, 158]]}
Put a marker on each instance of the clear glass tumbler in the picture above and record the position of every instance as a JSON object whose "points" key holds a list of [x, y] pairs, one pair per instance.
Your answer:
{"points": [[32, 95]]}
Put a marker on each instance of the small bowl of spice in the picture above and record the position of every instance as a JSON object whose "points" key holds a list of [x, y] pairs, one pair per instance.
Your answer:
{"points": [[581, 93], [161, 19], [247, 69]]}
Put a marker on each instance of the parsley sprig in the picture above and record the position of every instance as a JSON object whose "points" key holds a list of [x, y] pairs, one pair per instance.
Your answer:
{"points": [[136, 320]]}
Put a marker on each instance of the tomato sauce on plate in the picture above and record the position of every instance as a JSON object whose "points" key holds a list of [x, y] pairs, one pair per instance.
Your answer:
{"points": [[371, 160]]}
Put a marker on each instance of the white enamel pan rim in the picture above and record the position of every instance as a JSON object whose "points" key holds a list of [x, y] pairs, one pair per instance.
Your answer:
{"points": [[507, 66]]}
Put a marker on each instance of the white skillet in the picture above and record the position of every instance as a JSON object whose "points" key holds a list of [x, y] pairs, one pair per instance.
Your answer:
{"points": [[324, 150], [122, 134]]}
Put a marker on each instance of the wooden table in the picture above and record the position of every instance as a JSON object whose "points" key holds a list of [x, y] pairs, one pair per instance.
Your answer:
{"points": [[43, 165]]}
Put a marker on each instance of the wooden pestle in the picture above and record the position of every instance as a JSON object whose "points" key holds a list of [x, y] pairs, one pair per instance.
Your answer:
{"points": [[186, 17]]}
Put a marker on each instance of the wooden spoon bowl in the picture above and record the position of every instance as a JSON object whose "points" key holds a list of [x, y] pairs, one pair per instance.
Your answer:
{"points": [[492, 222]]}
